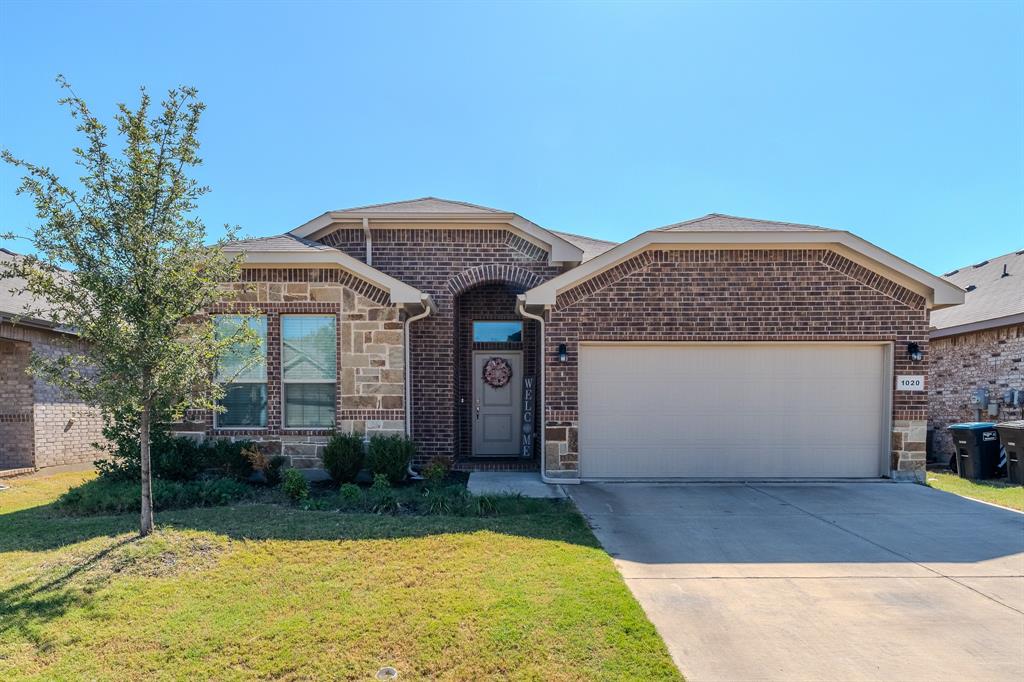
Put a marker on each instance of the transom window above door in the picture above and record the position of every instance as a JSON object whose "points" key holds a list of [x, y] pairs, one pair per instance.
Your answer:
{"points": [[497, 332]]}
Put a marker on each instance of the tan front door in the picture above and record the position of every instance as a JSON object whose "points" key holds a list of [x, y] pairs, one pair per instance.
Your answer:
{"points": [[497, 410]]}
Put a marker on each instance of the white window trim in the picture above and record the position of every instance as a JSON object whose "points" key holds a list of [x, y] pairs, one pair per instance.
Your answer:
{"points": [[265, 382], [284, 382]]}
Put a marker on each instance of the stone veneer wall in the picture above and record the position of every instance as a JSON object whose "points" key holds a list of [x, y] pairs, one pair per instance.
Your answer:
{"points": [[705, 295], [370, 395], [51, 427], [992, 359], [443, 261]]}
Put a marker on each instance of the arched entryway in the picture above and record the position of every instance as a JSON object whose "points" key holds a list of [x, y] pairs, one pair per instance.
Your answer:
{"points": [[495, 375]]}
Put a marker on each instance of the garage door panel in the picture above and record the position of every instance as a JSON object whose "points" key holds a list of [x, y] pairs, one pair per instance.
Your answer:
{"points": [[730, 411]]}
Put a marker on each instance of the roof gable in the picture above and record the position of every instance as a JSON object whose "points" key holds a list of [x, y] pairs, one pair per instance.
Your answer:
{"points": [[423, 205], [719, 222], [287, 249], [431, 210], [733, 232]]}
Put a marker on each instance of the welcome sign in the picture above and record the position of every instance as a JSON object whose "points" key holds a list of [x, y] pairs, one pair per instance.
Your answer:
{"points": [[526, 444]]}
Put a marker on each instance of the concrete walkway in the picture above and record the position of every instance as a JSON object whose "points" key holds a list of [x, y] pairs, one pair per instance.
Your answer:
{"points": [[527, 484], [843, 582]]}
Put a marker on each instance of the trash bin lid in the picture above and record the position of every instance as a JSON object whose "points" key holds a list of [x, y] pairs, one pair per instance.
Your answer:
{"points": [[1019, 424], [972, 426]]}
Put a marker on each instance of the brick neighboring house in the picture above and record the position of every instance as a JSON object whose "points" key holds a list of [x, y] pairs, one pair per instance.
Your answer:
{"points": [[717, 348], [978, 346], [39, 425]]}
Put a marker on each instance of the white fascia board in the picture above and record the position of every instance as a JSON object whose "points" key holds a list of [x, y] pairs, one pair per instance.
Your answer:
{"points": [[400, 292], [559, 250], [936, 290]]}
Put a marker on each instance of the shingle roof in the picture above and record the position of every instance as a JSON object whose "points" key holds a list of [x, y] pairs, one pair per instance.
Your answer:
{"points": [[718, 222], [18, 304], [281, 242], [990, 294], [591, 247], [422, 205]]}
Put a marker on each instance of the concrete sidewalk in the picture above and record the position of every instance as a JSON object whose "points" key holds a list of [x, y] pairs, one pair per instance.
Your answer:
{"points": [[820, 581], [527, 484]]}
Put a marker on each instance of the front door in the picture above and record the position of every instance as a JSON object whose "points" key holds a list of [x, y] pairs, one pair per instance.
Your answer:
{"points": [[497, 403]]}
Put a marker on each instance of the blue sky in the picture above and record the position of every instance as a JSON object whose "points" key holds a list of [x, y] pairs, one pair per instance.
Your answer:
{"points": [[903, 122]]}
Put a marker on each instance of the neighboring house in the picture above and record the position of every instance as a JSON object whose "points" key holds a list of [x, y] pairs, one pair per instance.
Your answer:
{"points": [[39, 425], [720, 347], [978, 346]]}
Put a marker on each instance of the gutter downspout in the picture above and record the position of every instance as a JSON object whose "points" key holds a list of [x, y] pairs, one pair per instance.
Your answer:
{"points": [[521, 309], [369, 241], [428, 306]]}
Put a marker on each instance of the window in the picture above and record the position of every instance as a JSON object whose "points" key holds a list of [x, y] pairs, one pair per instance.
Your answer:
{"points": [[245, 384], [309, 370], [497, 332]]}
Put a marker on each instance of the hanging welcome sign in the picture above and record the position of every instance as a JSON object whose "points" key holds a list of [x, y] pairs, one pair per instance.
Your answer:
{"points": [[526, 446]]}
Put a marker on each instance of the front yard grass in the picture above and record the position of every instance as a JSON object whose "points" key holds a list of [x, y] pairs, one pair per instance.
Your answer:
{"points": [[997, 491], [270, 591]]}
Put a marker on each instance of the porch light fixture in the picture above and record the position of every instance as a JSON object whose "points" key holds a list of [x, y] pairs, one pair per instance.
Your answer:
{"points": [[563, 353], [914, 351]]}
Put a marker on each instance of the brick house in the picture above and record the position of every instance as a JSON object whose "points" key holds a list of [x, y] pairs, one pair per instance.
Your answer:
{"points": [[39, 425], [717, 348], [976, 371]]}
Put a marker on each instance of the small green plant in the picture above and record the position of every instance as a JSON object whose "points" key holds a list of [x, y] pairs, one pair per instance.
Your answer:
{"points": [[483, 505], [390, 456], [382, 497], [350, 493], [436, 472], [275, 466], [343, 457], [443, 501], [295, 485]]}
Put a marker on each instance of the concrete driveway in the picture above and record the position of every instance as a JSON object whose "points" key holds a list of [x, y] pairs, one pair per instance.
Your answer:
{"points": [[849, 581]]}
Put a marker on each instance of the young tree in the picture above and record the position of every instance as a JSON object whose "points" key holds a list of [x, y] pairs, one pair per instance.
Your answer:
{"points": [[121, 259]]}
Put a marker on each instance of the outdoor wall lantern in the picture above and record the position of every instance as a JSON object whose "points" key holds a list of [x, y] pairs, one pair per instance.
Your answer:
{"points": [[914, 351], [563, 353]]}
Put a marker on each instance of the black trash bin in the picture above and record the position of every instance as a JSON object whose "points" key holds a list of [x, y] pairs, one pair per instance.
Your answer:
{"points": [[977, 449], [1011, 435]]}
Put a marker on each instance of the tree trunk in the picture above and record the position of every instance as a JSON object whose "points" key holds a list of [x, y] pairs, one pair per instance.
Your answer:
{"points": [[146, 523]]}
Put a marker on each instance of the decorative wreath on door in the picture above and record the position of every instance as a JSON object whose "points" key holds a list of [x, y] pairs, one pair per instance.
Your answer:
{"points": [[497, 372]]}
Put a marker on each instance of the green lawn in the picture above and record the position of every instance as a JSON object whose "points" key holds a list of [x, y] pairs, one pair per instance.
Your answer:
{"points": [[996, 491], [272, 592]]}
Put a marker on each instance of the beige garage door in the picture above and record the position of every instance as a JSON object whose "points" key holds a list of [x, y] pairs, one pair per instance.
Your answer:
{"points": [[731, 411]]}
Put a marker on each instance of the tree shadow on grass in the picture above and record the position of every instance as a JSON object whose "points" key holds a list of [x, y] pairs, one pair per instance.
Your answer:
{"points": [[45, 528], [27, 605]]}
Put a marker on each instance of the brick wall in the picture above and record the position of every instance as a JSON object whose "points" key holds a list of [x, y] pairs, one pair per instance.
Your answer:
{"points": [[54, 428], [485, 302], [735, 295], [444, 261], [16, 428], [992, 359], [370, 380]]}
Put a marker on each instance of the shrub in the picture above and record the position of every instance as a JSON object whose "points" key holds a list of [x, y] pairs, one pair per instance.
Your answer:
{"points": [[173, 458], [390, 456], [382, 498], [268, 467], [295, 485], [343, 457], [350, 492], [229, 457], [435, 472], [109, 496], [272, 474]]}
